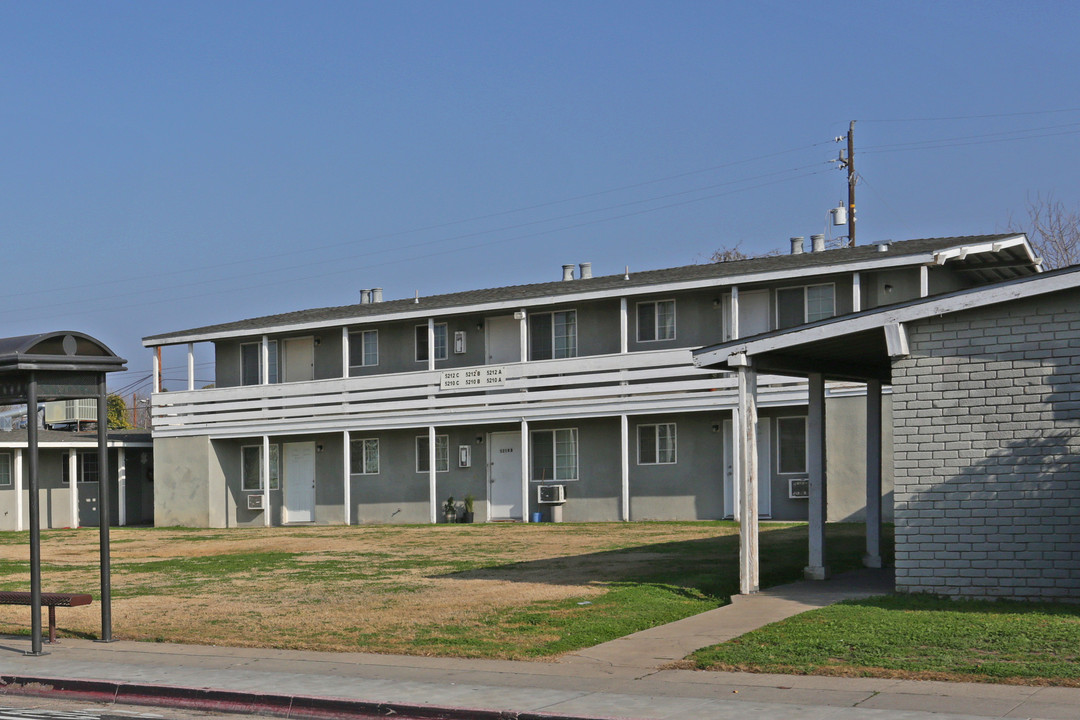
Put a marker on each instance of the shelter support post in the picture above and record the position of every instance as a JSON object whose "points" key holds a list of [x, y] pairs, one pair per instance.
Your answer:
{"points": [[746, 443], [103, 509], [872, 558], [35, 516], [815, 457]]}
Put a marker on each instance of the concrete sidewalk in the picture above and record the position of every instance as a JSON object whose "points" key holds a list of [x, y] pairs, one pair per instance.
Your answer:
{"points": [[621, 679]]}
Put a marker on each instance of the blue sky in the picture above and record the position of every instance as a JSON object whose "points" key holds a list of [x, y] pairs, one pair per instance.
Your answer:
{"points": [[171, 165]]}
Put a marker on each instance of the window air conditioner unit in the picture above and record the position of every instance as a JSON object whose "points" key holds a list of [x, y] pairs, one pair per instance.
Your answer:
{"points": [[798, 488], [255, 502], [551, 494]]}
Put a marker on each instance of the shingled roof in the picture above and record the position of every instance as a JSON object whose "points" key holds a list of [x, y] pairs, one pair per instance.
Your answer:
{"points": [[600, 284]]}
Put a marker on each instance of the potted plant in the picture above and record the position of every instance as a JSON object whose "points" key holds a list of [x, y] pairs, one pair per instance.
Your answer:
{"points": [[449, 510], [467, 516]]}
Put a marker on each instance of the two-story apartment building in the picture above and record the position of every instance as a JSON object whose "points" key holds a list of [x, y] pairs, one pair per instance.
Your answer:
{"points": [[576, 398]]}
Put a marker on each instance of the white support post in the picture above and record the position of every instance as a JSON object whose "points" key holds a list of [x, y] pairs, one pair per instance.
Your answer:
{"points": [[856, 292], [432, 489], [523, 334], [190, 368], [734, 313], [736, 467], [624, 493], [73, 478], [524, 470], [924, 281], [872, 558], [17, 471], [121, 485], [264, 469], [345, 352], [264, 361], [815, 458], [431, 343], [346, 472], [624, 327], [749, 580], [155, 372]]}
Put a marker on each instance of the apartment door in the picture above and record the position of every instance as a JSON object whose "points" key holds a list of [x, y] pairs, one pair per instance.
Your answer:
{"points": [[504, 476], [503, 339], [299, 359], [299, 483], [764, 452], [754, 314]]}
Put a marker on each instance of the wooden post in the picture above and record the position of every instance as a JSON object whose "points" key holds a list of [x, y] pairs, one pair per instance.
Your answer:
{"points": [[815, 430], [746, 442]]}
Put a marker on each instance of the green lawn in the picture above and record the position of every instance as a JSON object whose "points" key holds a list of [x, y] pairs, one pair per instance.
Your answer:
{"points": [[917, 637]]}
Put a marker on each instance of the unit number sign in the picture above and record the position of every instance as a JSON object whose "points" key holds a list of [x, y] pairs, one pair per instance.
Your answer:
{"points": [[485, 377]]}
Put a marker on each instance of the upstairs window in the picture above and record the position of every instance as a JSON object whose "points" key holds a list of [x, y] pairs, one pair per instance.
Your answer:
{"points": [[251, 470], [422, 338], [656, 321], [799, 305], [251, 362], [553, 335], [364, 348], [554, 455]]}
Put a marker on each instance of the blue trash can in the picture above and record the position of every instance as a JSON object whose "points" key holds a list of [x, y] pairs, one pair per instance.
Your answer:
{"points": [[537, 517]]}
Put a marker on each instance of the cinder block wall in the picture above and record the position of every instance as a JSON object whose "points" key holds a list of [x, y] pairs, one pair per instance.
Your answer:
{"points": [[986, 414]]}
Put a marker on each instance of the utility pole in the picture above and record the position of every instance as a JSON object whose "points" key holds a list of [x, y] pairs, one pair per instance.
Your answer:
{"points": [[849, 163]]}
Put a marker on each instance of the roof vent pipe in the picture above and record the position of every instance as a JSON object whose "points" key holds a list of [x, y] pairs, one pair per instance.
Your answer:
{"points": [[817, 242], [586, 271], [567, 272], [796, 245], [365, 297], [376, 295], [883, 247]]}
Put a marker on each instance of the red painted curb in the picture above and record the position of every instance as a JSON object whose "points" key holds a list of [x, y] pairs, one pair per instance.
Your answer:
{"points": [[298, 707]]}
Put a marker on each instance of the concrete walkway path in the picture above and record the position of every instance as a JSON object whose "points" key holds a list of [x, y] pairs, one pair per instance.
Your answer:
{"points": [[621, 679]]}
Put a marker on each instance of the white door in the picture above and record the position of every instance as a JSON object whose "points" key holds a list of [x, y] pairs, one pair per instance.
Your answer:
{"points": [[731, 488], [299, 482], [503, 339], [754, 314], [504, 475], [299, 359]]}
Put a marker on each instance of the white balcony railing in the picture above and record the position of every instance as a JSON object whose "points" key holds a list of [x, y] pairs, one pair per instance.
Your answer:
{"points": [[663, 381]]}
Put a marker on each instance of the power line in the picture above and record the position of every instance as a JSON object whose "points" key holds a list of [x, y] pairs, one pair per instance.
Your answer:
{"points": [[976, 117]]}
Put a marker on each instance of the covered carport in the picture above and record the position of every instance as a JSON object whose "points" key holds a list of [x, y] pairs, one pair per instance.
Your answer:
{"points": [[60, 366]]}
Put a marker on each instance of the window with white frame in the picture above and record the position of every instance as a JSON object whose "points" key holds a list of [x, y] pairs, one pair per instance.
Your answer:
{"points": [[442, 453], [251, 471], [656, 320], [791, 445], [798, 305], [554, 455], [553, 335], [364, 348], [5, 469], [364, 456], [251, 362], [422, 342], [86, 467], [656, 444]]}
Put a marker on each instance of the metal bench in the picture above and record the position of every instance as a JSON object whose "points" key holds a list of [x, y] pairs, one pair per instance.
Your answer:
{"points": [[50, 600]]}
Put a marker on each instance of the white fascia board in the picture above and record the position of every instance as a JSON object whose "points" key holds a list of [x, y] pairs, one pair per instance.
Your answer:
{"points": [[543, 301], [873, 319], [23, 445], [961, 252]]}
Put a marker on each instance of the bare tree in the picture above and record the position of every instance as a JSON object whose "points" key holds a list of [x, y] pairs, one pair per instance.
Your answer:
{"points": [[1053, 230], [731, 253]]}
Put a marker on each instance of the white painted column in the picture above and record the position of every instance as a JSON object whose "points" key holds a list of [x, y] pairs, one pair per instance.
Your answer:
{"points": [[746, 442], [736, 466], [872, 558], [345, 352], [734, 319], [624, 327], [347, 474], [431, 344], [433, 501], [190, 368], [17, 470], [155, 372], [264, 468], [73, 478], [524, 470], [523, 334], [856, 292], [815, 459], [624, 494], [121, 485], [264, 361], [924, 281]]}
